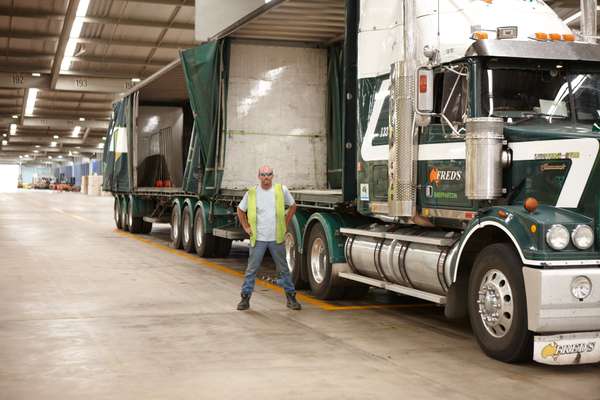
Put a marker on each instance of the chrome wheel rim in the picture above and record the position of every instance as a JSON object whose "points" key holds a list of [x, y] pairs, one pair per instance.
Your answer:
{"points": [[290, 251], [318, 260], [186, 226], [198, 230], [124, 215], [174, 225], [495, 303], [130, 213], [117, 212]]}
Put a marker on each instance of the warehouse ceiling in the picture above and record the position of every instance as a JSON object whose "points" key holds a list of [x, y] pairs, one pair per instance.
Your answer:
{"points": [[72, 58]]}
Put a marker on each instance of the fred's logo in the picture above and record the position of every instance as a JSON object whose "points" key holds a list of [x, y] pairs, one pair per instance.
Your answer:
{"points": [[437, 177]]}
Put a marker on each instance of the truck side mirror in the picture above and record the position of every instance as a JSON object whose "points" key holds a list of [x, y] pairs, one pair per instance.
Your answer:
{"points": [[424, 90]]}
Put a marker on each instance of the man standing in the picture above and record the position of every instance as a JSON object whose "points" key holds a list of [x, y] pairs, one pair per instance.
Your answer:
{"points": [[262, 215]]}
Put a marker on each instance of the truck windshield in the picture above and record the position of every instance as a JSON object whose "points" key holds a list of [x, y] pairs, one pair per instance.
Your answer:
{"points": [[541, 95]]}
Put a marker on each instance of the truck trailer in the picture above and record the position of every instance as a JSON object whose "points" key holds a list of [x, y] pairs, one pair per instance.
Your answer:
{"points": [[445, 150]]}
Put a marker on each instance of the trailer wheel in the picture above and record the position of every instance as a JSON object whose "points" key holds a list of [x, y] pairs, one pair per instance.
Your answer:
{"points": [[176, 227], [319, 268], [497, 304], [187, 230], [294, 259], [137, 224], [117, 213], [223, 247], [124, 214], [204, 243]]}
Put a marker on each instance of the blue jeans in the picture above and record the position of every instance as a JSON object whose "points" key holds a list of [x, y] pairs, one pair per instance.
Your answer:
{"points": [[256, 256]]}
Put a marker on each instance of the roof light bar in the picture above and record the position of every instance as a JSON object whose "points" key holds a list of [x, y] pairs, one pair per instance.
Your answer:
{"points": [[30, 104], [82, 8]]}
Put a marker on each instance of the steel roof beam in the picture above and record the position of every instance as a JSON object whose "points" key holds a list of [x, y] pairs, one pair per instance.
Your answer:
{"points": [[189, 3], [62, 42], [28, 35], [28, 13], [135, 43], [137, 22], [19, 80]]}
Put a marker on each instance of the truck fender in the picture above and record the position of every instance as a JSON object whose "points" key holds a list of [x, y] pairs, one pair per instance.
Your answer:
{"points": [[203, 207], [298, 225], [331, 224]]}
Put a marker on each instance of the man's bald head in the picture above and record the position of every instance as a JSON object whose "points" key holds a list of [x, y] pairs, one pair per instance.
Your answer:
{"points": [[265, 175]]}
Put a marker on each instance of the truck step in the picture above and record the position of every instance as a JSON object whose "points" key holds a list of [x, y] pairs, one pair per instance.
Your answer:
{"points": [[232, 233], [392, 287], [157, 220]]}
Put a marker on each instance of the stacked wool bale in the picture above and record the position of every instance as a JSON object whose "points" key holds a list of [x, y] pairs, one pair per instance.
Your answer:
{"points": [[84, 184], [95, 185]]}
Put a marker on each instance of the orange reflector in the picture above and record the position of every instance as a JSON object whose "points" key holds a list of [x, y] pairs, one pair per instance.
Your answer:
{"points": [[502, 214], [569, 37], [555, 36], [533, 228], [541, 36], [479, 35], [422, 83], [358, 166]]}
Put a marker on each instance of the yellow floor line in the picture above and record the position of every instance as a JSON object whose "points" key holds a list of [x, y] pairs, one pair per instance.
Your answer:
{"points": [[222, 268], [58, 210]]}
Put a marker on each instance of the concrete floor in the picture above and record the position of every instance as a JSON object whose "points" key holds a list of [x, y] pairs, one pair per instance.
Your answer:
{"points": [[87, 312]]}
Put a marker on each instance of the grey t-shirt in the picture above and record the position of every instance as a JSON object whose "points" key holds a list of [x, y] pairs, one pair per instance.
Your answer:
{"points": [[265, 211]]}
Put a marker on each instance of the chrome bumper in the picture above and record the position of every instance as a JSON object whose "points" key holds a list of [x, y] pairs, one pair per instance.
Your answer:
{"points": [[552, 308]]}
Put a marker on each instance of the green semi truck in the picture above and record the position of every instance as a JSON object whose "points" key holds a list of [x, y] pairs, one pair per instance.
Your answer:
{"points": [[443, 150]]}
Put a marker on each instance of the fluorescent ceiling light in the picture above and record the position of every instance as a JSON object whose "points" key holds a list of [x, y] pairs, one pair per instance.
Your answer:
{"points": [[15, 116], [4, 142], [37, 146], [55, 136], [76, 131], [81, 119], [36, 151], [30, 105], [53, 144], [4, 135], [65, 65], [135, 80], [100, 145], [13, 129], [20, 156], [36, 74], [50, 157]]}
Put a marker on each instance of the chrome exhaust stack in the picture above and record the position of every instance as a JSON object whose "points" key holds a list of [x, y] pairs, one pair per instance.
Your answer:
{"points": [[402, 169]]}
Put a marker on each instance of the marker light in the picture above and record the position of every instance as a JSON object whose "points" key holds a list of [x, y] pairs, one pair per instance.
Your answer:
{"points": [[479, 35], [541, 36], [555, 36], [568, 37]]}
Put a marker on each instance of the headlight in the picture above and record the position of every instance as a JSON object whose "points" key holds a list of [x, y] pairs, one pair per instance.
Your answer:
{"points": [[557, 237], [581, 287], [583, 237]]}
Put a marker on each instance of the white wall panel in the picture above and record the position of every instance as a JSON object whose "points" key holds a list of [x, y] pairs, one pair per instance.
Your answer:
{"points": [[277, 115]]}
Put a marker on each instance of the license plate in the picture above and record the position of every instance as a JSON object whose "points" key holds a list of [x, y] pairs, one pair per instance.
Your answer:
{"points": [[567, 349]]}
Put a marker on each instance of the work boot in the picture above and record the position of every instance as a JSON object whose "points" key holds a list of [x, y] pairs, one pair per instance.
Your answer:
{"points": [[244, 304], [292, 302]]}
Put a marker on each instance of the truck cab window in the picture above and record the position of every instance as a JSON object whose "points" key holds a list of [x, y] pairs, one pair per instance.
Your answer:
{"points": [[450, 97]]}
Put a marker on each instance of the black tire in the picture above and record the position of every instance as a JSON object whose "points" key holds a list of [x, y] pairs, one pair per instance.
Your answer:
{"points": [[124, 214], [204, 243], [117, 213], [187, 230], [322, 283], [497, 275], [223, 247], [176, 227], [294, 259], [137, 224]]}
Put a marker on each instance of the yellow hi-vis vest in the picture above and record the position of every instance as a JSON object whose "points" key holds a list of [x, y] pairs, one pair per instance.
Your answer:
{"points": [[280, 227]]}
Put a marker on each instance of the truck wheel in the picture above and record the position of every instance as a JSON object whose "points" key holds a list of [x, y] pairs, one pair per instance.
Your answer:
{"points": [[497, 304], [223, 247], [187, 230], [204, 243], [137, 224], [176, 227], [124, 214], [117, 213], [319, 268], [294, 259]]}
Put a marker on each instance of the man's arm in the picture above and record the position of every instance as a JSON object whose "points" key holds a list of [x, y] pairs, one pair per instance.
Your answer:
{"points": [[243, 218], [290, 214]]}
